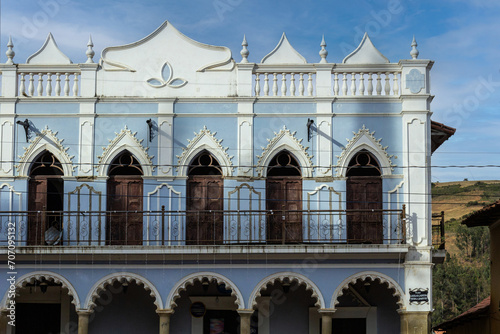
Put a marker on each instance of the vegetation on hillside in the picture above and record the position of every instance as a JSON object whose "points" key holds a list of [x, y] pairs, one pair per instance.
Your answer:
{"points": [[463, 279]]}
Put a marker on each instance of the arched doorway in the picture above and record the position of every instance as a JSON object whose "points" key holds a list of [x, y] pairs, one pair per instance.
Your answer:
{"points": [[364, 199], [204, 202], [124, 201], [45, 193], [284, 199]]}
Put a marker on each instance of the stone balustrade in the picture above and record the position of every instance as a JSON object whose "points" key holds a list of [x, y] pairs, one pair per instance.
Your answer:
{"points": [[56, 82]]}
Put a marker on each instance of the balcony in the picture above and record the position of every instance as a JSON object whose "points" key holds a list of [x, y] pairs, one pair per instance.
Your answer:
{"points": [[190, 228]]}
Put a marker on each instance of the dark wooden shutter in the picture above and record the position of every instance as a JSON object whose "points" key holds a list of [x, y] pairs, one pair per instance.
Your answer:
{"points": [[204, 194], [284, 199], [37, 204], [364, 193], [125, 227]]}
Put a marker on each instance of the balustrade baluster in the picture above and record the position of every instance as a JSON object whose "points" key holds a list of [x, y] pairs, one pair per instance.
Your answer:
{"points": [[370, 83], [344, 84], [40, 84], [310, 84], [353, 84], [275, 84], [49, 84], [336, 85], [379, 84], [22, 88], [58, 84], [31, 86], [66, 84], [75, 85], [387, 87], [301, 84], [283, 84], [361, 84], [257, 84], [292, 84], [266, 84], [395, 85]]}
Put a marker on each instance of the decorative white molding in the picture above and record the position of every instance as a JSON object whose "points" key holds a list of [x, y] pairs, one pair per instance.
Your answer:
{"points": [[365, 53], [49, 276], [205, 140], [330, 190], [167, 35], [172, 195], [293, 277], [121, 277], [45, 140], [165, 79], [6, 147], [125, 140], [364, 139], [86, 148], [245, 146], [49, 54], [374, 276], [283, 53], [198, 277], [285, 140], [165, 146]]}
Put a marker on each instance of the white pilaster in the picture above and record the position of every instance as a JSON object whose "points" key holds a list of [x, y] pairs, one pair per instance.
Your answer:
{"points": [[324, 137], [86, 139], [165, 137], [245, 138]]}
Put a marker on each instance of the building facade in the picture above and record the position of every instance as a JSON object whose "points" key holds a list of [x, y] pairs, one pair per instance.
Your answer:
{"points": [[170, 188]]}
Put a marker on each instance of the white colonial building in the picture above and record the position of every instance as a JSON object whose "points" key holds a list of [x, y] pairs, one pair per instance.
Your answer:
{"points": [[170, 188]]}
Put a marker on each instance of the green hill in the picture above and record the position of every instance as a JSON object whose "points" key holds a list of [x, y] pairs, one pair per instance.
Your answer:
{"points": [[464, 278]]}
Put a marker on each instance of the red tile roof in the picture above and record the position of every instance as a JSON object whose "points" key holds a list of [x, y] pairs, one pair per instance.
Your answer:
{"points": [[485, 216], [478, 311]]}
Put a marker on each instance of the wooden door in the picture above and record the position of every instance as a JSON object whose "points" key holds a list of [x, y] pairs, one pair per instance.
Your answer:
{"points": [[204, 194], [364, 193], [284, 199], [124, 227], [37, 204]]}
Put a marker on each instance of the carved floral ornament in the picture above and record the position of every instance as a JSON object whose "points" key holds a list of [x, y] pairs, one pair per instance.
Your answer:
{"points": [[45, 140], [166, 79], [125, 140], [205, 140], [285, 140], [364, 139]]}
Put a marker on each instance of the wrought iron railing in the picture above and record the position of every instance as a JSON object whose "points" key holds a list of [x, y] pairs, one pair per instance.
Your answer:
{"points": [[168, 228], [438, 235]]}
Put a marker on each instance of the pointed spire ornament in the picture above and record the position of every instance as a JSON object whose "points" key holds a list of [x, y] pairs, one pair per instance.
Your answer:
{"points": [[414, 52], [323, 53], [90, 52], [244, 52], [10, 53]]}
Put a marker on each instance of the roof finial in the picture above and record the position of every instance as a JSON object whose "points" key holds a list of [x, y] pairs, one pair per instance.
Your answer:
{"points": [[414, 52], [90, 52], [323, 53], [244, 52], [10, 53]]}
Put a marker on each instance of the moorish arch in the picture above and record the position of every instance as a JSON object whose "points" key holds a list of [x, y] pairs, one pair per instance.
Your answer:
{"points": [[373, 276], [191, 279], [285, 141], [364, 140], [126, 140], [205, 140], [121, 277], [45, 141], [47, 276], [292, 277]]}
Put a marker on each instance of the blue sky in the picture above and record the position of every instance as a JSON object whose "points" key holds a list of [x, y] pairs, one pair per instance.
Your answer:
{"points": [[461, 36]]}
